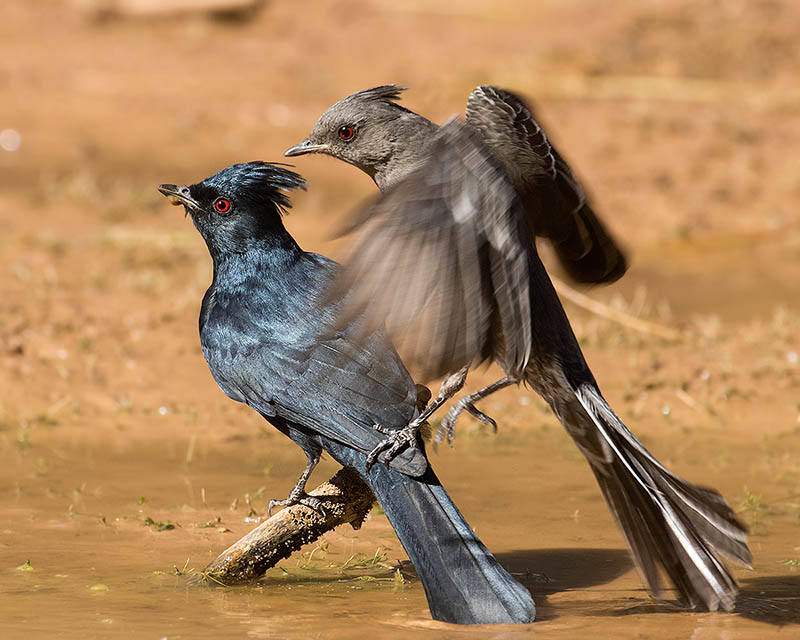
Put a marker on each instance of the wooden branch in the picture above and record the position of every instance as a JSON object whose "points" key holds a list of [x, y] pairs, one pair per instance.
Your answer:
{"points": [[620, 317], [347, 501]]}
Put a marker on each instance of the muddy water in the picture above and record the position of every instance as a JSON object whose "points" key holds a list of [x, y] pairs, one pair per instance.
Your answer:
{"points": [[101, 280], [80, 557]]}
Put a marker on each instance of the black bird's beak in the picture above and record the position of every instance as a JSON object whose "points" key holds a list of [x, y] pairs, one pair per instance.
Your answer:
{"points": [[179, 195], [306, 146]]}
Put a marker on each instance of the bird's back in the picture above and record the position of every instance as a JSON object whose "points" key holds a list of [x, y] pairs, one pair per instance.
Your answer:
{"points": [[271, 336]]}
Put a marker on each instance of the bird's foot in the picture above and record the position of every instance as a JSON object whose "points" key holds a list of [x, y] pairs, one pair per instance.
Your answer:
{"points": [[448, 426], [299, 497], [395, 441]]}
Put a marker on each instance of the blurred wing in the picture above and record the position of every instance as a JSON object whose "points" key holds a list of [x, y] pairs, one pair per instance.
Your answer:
{"points": [[442, 259], [555, 203]]}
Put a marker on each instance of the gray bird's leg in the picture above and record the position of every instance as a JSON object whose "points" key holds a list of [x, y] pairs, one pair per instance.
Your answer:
{"points": [[397, 439], [298, 493], [448, 425]]}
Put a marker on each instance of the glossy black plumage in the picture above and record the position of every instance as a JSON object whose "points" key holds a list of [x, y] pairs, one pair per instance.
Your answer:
{"points": [[273, 340]]}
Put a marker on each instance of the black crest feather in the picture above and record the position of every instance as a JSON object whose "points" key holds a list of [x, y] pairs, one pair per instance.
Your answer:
{"points": [[264, 181]]}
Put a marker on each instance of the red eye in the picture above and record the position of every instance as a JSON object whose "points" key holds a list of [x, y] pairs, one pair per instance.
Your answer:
{"points": [[222, 205], [347, 133]]}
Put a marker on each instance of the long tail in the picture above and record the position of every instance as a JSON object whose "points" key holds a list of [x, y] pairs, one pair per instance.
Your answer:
{"points": [[463, 582], [667, 522]]}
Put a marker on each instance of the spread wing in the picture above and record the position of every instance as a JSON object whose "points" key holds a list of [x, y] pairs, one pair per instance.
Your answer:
{"points": [[442, 258], [555, 203]]}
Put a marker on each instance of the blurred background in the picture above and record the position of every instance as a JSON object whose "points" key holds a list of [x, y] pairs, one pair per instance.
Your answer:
{"points": [[683, 120]]}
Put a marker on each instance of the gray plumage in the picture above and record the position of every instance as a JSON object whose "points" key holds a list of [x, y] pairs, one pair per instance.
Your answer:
{"points": [[391, 139], [445, 258], [556, 204], [441, 259]]}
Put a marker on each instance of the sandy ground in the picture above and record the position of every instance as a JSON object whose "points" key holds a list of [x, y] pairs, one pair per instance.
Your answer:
{"points": [[684, 120]]}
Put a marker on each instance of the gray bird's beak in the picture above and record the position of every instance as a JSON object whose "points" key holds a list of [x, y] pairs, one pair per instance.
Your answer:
{"points": [[178, 195], [306, 146]]}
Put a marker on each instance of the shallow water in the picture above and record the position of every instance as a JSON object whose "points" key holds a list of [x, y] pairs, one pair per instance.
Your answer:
{"points": [[76, 511]]}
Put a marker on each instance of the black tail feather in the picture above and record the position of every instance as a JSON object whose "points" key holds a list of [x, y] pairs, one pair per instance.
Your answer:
{"points": [[463, 582]]}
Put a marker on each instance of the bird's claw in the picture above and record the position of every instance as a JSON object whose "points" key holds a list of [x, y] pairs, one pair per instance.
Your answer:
{"points": [[395, 441], [301, 497], [448, 426]]}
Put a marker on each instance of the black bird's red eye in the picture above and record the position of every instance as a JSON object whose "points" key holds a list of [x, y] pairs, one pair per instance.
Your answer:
{"points": [[222, 205], [347, 133]]}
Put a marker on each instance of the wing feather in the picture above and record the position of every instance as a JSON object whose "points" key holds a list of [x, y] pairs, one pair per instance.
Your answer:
{"points": [[442, 259], [555, 203]]}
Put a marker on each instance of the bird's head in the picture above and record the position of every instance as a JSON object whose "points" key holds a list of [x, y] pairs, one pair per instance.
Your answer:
{"points": [[239, 206], [368, 129]]}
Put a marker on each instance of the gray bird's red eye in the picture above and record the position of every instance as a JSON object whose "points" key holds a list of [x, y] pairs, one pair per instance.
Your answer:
{"points": [[346, 133], [222, 205]]}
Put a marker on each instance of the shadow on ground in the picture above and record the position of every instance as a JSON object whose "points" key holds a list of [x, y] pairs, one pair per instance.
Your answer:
{"points": [[548, 571], [772, 599]]}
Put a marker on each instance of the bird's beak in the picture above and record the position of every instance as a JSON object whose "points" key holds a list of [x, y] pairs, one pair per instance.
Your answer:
{"points": [[306, 146], [178, 195]]}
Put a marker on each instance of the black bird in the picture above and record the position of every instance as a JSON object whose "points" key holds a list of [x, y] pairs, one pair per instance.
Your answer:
{"points": [[447, 251], [272, 341]]}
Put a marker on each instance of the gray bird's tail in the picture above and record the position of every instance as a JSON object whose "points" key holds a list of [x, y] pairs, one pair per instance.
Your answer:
{"points": [[463, 582], [667, 522]]}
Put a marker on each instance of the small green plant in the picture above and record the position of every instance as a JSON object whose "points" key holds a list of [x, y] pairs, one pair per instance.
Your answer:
{"points": [[752, 505], [362, 561], [184, 571], [26, 566], [160, 526], [306, 560]]}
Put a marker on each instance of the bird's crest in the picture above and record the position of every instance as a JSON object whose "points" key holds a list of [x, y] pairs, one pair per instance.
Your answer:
{"points": [[384, 93], [269, 180]]}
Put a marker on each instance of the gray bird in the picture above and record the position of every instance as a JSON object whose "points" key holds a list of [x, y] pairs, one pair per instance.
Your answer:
{"points": [[370, 130], [446, 258]]}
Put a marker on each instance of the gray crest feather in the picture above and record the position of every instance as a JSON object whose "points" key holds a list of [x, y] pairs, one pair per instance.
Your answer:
{"points": [[385, 93]]}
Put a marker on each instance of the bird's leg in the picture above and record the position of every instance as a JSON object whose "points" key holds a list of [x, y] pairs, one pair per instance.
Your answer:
{"points": [[451, 385], [398, 438], [448, 426], [298, 493]]}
